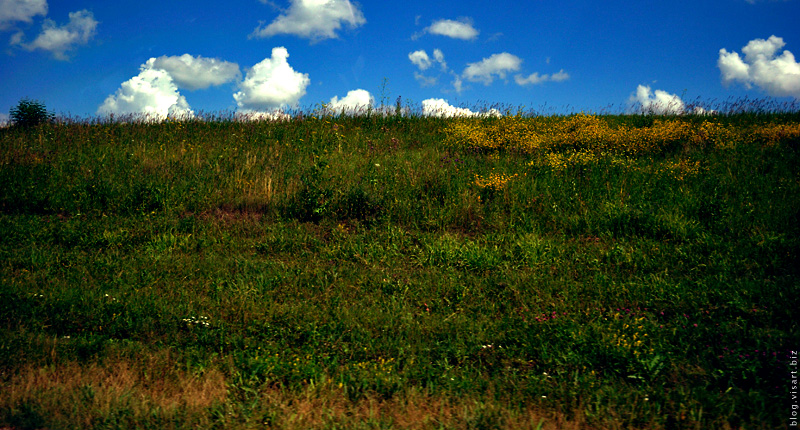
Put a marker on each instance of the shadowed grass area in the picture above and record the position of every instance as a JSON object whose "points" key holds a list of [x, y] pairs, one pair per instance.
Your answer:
{"points": [[400, 272]]}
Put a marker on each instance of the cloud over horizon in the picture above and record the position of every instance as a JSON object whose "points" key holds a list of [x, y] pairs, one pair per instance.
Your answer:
{"points": [[268, 87], [271, 84], [776, 75], [658, 102], [441, 108], [152, 93], [313, 19], [355, 102]]}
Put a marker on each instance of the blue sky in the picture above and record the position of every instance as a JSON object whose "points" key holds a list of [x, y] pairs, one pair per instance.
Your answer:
{"points": [[88, 57]]}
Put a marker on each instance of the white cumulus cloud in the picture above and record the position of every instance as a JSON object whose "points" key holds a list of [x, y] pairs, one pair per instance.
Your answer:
{"points": [[313, 19], [60, 39], [194, 73], [658, 102], [461, 29], [536, 78], [424, 62], [20, 10], [441, 108], [355, 102], [271, 84], [152, 93], [420, 59], [778, 75], [496, 65]]}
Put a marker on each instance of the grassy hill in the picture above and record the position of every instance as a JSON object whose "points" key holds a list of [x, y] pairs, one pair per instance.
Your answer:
{"points": [[579, 271]]}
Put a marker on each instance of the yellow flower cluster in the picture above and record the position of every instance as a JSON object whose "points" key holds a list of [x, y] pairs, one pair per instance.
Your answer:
{"points": [[653, 140], [772, 134], [632, 339], [561, 161], [560, 143], [494, 182], [590, 133], [510, 132], [715, 135]]}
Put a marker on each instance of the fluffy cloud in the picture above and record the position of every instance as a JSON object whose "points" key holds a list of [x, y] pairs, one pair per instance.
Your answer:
{"points": [[194, 73], [461, 29], [535, 78], [733, 68], [60, 39], [777, 75], [424, 62], [498, 64], [151, 93], [271, 84], [313, 19], [355, 102], [485, 71], [440, 108], [660, 103], [420, 59], [20, 10]]}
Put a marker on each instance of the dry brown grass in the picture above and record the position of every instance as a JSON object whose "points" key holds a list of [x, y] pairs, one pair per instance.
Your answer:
{"points": [[81, 394], [330, 407], [78, 395]]}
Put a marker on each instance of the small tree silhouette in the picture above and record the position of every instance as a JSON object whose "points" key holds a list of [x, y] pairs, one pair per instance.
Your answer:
{"points": [[29, 113]]}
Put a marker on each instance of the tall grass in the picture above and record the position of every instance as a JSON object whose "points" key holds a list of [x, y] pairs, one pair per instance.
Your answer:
{"points": [[400, 271]]}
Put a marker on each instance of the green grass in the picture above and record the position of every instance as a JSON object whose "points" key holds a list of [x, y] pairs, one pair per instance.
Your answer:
{"points": [[349, 272]]}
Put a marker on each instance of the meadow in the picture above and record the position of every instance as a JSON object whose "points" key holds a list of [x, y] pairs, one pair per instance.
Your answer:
{"points": [[592, 271]]}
